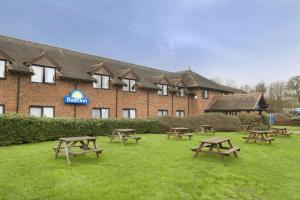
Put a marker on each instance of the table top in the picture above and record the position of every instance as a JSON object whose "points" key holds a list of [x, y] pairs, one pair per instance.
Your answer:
{"points": [[125, 130], [215, 140], [72, 139], [261, 132], [180, 128]]}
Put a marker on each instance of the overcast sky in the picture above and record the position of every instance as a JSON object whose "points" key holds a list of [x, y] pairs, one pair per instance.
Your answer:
{"points": [[243, 40]]}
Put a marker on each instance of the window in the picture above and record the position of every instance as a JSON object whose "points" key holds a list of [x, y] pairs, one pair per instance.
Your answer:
{"points": [[162, 112], [1, 109], [205, 94], [2, 69], [102, 81], [180, 92], [163, 90], [129, 113], [101, 113], [43, 74], [179, 113], [40, 111], [130, 85]]}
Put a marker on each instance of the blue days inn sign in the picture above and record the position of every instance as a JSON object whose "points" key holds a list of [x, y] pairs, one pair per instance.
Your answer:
{"points": [[76, 97]]}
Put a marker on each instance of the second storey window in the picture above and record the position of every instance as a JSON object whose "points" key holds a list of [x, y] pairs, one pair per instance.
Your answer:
{"points": [[180, 92], [2, 69], [102, 113], [102, 81], [205, 94], [129, 113], [130, 85], [163, 90], [1, 109], [162, 112], [179, 113], [41, 111], [43, 74]]}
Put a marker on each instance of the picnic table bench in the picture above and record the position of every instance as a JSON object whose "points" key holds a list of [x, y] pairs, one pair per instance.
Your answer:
{"points": [[215, 146], [207, 129], [280, 131], [66, 145], [246, 128], [179, 132], [124, 135], [259, 136]]}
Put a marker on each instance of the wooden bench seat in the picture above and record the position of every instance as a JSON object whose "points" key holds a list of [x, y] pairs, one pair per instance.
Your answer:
{"points": [[231, 150]]}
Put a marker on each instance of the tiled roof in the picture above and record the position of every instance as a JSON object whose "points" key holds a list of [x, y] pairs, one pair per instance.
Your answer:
{"points": [[75, 65]]}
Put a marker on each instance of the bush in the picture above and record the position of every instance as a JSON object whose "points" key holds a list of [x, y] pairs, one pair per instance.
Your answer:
{"points": [[18, 129], [259, 122], [219, 121]]}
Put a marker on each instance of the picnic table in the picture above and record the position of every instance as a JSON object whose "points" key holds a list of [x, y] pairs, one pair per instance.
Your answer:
{"points": [[258, 136], [280, 131], [66, 145], [124, 135], [179, 132], [246, 128], [215, 146], [207, 129]]}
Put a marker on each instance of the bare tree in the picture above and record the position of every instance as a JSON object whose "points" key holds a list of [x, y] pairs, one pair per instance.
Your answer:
{"points": [[217, 80], [276, 95], [293, 86], [247, 88], [261, 87]]}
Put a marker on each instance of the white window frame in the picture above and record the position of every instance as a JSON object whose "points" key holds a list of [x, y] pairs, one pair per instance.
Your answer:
{"points": [[42, 108], [205, 94], [163, 89], [180, 113], [180, 92], [43, 78], [2, 109], [129, 114], [130, 85], [100, 83], [101, 113], [2, 70], [162, 112]]}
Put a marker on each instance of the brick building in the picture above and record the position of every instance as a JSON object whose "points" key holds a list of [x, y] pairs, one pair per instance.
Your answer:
{"points": [[37, 79]]}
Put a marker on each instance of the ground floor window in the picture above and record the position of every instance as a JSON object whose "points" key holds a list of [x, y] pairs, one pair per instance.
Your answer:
{"points": [[41, 111], [162, 112], [100, 113], [1, 109], [179, 113], [129, 113]]}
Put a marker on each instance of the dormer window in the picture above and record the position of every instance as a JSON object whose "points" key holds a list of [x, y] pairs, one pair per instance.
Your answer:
{"points": [[43, 74], [163, 89], [2, 69], [130, 85], [180, 92], [102, 81]]}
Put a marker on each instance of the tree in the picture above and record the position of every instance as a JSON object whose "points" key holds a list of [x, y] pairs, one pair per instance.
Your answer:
{"points": [[275, 96], [293, 86], [261, 87], [247, 88]]}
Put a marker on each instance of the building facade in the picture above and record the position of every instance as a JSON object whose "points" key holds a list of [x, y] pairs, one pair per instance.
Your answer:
{"points": [[42, 80]]}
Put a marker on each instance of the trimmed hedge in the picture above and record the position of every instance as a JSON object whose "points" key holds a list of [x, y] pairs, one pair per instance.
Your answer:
{"points": [[260, 123], [18, 129], [219, 121]]}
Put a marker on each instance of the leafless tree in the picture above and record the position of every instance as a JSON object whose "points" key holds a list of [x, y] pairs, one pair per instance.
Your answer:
{"points": [[293, 86]]}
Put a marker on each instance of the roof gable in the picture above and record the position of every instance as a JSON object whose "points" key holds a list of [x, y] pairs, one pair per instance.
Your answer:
{"points": [[43, 59], [5, 56]]}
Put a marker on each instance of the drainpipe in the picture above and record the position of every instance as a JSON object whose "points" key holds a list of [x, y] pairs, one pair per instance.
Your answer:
{"points": [[147, 104], [188, 105], [18, 93], [117, 88], [172, 104]]}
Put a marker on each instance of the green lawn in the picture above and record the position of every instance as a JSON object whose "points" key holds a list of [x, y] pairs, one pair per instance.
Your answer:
{"points": [[157, 168]]}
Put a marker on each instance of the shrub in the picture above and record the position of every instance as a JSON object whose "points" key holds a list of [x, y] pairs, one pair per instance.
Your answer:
{"points": [[17, 129], [219, 121], [260, 122]]}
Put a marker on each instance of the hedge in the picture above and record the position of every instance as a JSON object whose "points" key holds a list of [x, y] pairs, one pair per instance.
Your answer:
{"points": [[219, 121], [18, 129], [259, 122]]}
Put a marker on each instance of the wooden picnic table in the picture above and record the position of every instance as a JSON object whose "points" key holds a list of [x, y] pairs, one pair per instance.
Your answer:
{"points": [[280, 131], [259, 136], [246, 128], [124, 135], [207, 129], [179, 132], [215, 146], [66, 145]]}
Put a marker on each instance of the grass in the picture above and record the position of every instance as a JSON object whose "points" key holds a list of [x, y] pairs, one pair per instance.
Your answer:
{"points": [[289, 128], [156, 168]]}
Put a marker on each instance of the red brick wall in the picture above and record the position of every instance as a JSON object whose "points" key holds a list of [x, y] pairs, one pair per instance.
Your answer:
{"points": [[40, 94]]}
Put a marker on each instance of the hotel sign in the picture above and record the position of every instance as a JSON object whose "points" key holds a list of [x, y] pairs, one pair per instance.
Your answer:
{"points": [[76, 97]]}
